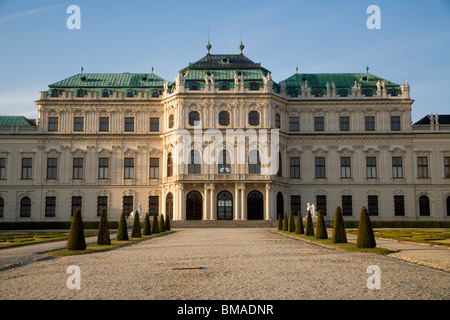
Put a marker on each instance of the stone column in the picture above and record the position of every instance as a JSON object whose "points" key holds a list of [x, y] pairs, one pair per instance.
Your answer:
{"points": [[211, 203], [243, 209], [236, 203], [267, 203], [181, 213], [206, 204]]}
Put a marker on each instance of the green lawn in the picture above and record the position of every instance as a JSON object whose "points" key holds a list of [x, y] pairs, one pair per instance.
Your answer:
{"points": [[433, 236], [10, 239]]}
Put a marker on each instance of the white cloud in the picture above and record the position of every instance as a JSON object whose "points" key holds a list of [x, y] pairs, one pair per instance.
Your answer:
{"points": [[28, 12]]}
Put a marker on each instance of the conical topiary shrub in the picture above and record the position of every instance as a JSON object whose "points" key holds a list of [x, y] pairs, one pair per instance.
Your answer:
{"points": [[299, 224], [167, 226], [136, 231], [285, 222], [155, 225], [122, 232], [309, 225], [76, 240], [321, 229], [280, 221], [291, 223], [103, 237], [147, 227], [339, 235], [162, 227], [365, 238]]}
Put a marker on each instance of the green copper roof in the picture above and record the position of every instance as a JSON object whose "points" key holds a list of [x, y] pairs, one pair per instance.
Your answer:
{"points": [[222, 75], [14, 121], [110, 80], [224, 61]]}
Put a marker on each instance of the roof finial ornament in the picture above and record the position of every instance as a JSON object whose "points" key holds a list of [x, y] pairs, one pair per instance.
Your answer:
{"points": [[208, 45], [82, 69], [367, 69], [296, 69], [152, 69], [241, 46]]}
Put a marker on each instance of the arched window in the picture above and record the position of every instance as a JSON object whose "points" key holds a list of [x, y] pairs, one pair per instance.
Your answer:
{"points": [[224, 205], [224, 118], [171, 121], [25, 207], [424, 206], [169, 165], [280, 166], [225, 162], [223, 86], [194, 166], [277, 120], [448, 206], [253, 118], [194, 118], [254, 162], [2, 206], [194, 86]]}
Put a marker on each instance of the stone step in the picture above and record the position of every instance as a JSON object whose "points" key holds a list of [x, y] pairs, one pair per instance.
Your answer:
{"points": [[224, 224]]}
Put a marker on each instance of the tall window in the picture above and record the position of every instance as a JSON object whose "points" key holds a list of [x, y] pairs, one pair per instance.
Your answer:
{"points": [[447, 167], [296, 204], [26, 168], [254, 162], [397, 167], [127, 207], [50, 206], [372, 205], [370, 123], [104, 124], [78, 124], [319, 123], [224, 162], [424, 206], [25, 207], [345, 167], [399, 205], [2, 168], [2, 207], [76, 203], [171, 121], [194, 118], [395, 123], [129, 124], [129, 168], [52, 168], [347, 206], [154, 168], [53, 124], [320, 167], [154, 124], [280, 165], [224, 118], [448, 206], [422, 164], [103, 168], [371, 167], [294, 123], [277, 120], [102, 203], [295, 167], [253, 118], [153, 205], [78, 168], [321, 201], [194, 166], [344, 123], [169, 165]]}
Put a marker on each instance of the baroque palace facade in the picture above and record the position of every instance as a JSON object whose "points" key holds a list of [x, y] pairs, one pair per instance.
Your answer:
{"points": [[110, 141]]}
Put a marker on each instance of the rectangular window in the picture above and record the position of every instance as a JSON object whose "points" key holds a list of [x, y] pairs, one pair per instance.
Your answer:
{"points": [[344, 123], [154, 168], [397, 167], [2, 207], [53, 124], [102, 203], [78, 168], [194, 165], [372, 205], [371, 167], [319, 123], [322, 204], [2, 168], [320, 167], [52, 168], [50, 206], [26, 168], [399, 205], [76, 203], [395, 123], [104, 124], [347, 206], [294, 123], [129, 168], [127, 204], [422, 164], [345, 167], [447, 167], [78, 124], [129, 124], [154, 124], [153, 205], [295, 205], [103, 168], [370, 123], [295, 167]]}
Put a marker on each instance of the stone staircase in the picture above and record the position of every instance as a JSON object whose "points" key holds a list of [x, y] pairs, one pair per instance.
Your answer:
{"points": [[224, 224]]}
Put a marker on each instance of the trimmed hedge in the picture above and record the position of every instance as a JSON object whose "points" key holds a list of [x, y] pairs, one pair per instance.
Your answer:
{"points": [[309, 230], [365, 237], [291, 223], [401, 224], [280, 221], [285, 222], [299, 225], [339, 235], [44, 225], [147, 227], [136, 230], [321, 230], [103, 237], [76, 240], [122, 232]]}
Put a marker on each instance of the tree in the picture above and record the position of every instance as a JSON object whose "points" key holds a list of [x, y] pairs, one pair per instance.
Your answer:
{"points": [[76, 240], [155, 226], [309, 225], [291, 224], [285, 222], [147, 228], [339, 235], [122, 232], [103, 230], [167, 226], [299, 224], [365, 238], [321, 229], [136, 231], [161, 224], [280, 221]]}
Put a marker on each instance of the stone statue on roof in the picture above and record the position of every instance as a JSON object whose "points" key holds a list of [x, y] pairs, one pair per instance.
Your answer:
{"points": [[268, 80]]}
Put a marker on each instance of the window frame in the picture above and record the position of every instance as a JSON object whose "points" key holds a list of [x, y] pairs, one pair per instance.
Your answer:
{"points": [[294, 167], [52, 168], [154, 124], [194, 116], [25, 207], [53, 124], [169, 165], [103, 168], [254, 118], [128, 166], [344, 123], [27, 168], [371, 168], [372, 205], [129, 124], [103, 204], [154, 168], [395, 123], [319, 123], [320, 167], [2, 168], [397, 167], [78, 124], [294, 125], [347, 205], [224, 162], [194, 165], [254, 162], [422, 168], [102, 124], [346, 168], [369, 123], [50, 207], [224, 118], [77, 168]]}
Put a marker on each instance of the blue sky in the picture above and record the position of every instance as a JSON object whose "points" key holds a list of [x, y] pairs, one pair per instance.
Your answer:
{"points": [[317, 36]]}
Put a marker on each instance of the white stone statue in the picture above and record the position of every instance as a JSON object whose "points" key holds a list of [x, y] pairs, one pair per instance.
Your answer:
{"points": [[328, 86], [166, 86], [379, 85], [179, 80], [268, 80], [138, 209], [282, 87]]}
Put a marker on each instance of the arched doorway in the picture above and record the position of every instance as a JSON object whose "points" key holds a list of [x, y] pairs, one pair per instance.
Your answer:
{"points": [[169, 206], [280, 205], [194, 206], [255, 205], [224, 206]]}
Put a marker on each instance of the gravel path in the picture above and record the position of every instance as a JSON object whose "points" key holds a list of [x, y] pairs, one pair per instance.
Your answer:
{"points": [[239, 264]]}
